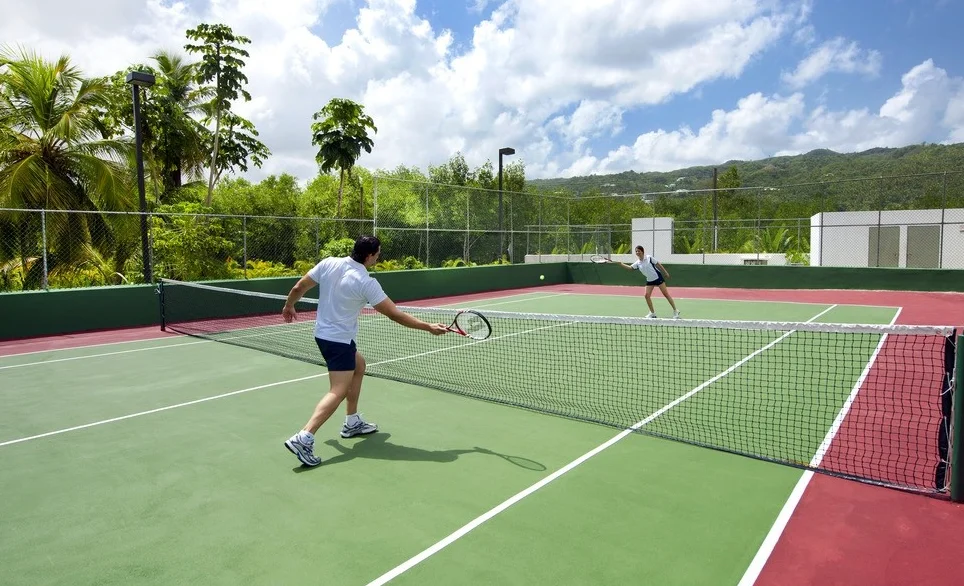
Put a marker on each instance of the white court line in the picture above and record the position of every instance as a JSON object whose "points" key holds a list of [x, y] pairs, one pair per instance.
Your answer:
{"points": [[42, 362], [773, 536], [159, 338], [265, 386], [465, 529], [737, 300], [469, 303], [55, 360]]}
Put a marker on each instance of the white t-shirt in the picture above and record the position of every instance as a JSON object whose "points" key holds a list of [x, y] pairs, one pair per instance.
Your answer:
{"points": [[647, 266], [344, 287]]}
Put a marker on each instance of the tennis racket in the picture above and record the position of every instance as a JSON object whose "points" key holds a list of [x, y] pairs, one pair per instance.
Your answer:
{"points": [[599, 259], [471, 324]]}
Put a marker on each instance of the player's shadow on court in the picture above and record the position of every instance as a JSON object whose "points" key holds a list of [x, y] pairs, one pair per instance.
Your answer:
{"points": [[377, 447]]}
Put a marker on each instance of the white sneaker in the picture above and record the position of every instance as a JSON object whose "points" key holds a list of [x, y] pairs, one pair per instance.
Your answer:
{"points": [[302, 445], [357, 426], [651, 314], [676, 315]]}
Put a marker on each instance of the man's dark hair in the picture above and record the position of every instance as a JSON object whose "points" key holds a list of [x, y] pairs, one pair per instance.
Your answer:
{"points": [[365, 246]]}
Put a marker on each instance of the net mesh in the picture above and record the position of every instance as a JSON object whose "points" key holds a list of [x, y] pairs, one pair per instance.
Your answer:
{"points": [[866, 402]]}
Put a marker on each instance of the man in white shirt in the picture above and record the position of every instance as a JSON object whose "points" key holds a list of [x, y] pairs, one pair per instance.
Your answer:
{"points": [[656, 275], [344, 288]]}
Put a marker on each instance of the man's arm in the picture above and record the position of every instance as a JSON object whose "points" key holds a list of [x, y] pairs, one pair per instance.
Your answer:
{"points": [[303, 285], [392, 312], [662, 269]]}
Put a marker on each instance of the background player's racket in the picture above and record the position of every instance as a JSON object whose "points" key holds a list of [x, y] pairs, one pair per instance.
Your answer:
{"points": [[471, 324], [599, 259]]}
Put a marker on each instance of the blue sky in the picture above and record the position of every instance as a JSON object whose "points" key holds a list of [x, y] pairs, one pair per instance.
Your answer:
{"points": [[575, 87]]}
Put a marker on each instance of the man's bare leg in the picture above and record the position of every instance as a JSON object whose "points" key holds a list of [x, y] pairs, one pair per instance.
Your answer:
{"points": [[341, 382]]}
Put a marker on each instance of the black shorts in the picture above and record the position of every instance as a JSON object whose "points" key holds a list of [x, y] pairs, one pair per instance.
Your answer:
{"points": [[338, 356], [659, 280]]}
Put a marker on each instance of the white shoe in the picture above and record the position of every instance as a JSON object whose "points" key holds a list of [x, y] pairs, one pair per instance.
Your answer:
{"points": [[676, 315], [302, 445], [357, 427], [651, 314]]}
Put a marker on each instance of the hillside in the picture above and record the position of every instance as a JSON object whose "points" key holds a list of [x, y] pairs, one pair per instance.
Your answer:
{"points": [[817, 165]]}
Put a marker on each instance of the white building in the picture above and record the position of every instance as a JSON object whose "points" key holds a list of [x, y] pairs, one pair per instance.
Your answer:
{"points": [[892, 238]]}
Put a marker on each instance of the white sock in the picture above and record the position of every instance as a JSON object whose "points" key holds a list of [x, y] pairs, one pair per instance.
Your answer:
{"points": [[306, 436], [352, 419]]}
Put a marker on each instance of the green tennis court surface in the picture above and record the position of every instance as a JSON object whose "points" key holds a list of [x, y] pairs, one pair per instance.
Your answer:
{"points": [[161, 462]]}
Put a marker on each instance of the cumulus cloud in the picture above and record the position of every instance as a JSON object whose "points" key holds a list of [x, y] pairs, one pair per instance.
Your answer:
{"points": [[834, 56], [928, 101], [551, 78]]}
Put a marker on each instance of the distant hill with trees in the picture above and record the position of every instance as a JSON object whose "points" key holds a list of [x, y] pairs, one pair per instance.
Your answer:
{"points": [[815, 166]]}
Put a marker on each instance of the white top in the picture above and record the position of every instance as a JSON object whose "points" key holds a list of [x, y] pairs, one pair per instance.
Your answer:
{"points": [[344, 287], [647, 266]]}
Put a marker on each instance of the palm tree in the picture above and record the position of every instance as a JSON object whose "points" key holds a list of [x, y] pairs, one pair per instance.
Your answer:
{"points": [[341, 135], [179, 147], [53, 156]]}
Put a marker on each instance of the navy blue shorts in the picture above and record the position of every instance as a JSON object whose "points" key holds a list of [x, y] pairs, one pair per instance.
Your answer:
{"points": [[659, 280], [337, 355]]}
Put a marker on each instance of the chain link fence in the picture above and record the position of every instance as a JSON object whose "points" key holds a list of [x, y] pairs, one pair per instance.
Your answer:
{"points": [[908, 221], [41, 249]]}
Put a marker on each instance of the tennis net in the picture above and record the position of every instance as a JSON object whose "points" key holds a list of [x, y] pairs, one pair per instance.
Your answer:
{"points": [[865, 402]]}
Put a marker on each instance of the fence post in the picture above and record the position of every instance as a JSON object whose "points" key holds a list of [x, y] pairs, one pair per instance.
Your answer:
{"points": [[957, 443], [940, 244], [568, 232], [244, 238], [539, 244], [43, 231], [880, 211], [426, 225], [375, 206]]}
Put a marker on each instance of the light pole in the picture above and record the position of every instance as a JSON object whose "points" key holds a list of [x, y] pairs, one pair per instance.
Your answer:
{"points": [[503, 151], [139, 79]]}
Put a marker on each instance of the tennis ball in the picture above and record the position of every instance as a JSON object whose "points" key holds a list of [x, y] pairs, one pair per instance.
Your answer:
{"points": [[542, 277]]}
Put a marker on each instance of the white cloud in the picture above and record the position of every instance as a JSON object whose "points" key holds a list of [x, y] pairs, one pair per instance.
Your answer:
{"points": [[528, 64], [758, 126], [920, 108], [954, 117], [806, 35], [548, 77], [928, 102], [835, 55]]}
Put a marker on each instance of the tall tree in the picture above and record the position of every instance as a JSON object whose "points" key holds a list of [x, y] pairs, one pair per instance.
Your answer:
{"points": [[221, 63], [340, 132], [175, 143], [53, 156], [179, 138], [236, 143]]}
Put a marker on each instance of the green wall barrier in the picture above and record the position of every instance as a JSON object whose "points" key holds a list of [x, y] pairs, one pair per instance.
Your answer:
{"points": [[779, 277], [404, 286], [59, 311]]}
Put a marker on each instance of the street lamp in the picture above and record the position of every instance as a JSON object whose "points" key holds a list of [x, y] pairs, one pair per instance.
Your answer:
{"points": [[139, 79], [502, 151]]}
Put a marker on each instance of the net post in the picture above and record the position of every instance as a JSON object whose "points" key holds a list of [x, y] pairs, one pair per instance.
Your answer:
{"points": [[957, 443], [160, 303]]}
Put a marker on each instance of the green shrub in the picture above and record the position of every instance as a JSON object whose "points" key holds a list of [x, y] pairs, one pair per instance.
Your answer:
{"points": [[338, 247]]}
